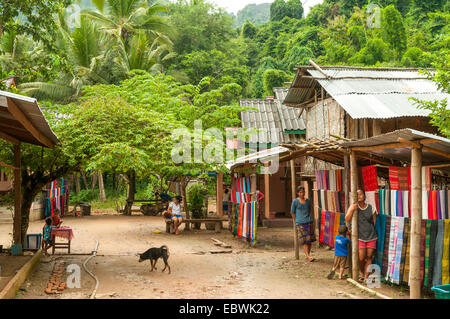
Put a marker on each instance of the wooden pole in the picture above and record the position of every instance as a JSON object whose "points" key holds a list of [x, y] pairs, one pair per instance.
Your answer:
{"points": [[416, 221], [346, 178], [293, 190], [17, 231], [266, 191], [354, 188], [219, 194]]}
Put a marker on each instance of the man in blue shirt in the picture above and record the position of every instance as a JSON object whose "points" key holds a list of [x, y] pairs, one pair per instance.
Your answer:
{"points": [[340, 252]]}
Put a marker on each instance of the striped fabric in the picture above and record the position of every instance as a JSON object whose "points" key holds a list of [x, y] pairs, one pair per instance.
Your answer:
{"points": [[422, 250], [398, 251], [437, 269], [384, 268], [407, 243], [427, 252]]}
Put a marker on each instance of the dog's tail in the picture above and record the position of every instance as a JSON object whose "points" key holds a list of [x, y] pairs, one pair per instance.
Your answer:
{"points": [[164, 247]]}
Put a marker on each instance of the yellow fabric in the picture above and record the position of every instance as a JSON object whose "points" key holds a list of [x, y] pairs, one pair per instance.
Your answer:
{"points": [[446, 254], [337, 219]]}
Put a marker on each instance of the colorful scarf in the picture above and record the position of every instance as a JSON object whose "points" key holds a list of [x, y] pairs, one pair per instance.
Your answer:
{"points": [[398, 252], [403, 179], [407, 252], [446, 254], [437, 269], [380, 227], [393, 177], [370, 180], [427, 252], [422, 249], [385, 254]]}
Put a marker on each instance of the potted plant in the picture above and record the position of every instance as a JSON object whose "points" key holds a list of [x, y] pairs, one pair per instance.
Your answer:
{"points": [[196, 194]]}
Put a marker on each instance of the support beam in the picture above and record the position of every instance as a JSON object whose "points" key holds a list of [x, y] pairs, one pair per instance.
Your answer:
{"points": [[354, 188], [294, 195], [219, 194], [416, 221], [17, 230], [266, 191], [9, 138], [380, 147], [418, 144], [20, 116]]}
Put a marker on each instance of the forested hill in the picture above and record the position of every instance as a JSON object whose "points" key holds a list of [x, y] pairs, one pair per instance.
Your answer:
{"points": [[193, 39], [255, 13]]}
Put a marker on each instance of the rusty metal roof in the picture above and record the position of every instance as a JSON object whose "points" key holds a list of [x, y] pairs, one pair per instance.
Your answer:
{"points": [[366, 92], [275, 122], [21, 119]]}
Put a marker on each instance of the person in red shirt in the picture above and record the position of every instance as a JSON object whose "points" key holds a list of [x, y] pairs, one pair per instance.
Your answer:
{"points": [[56, 220]]}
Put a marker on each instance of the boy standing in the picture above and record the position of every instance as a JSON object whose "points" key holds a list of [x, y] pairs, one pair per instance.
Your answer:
{"points": [[340, 252]]}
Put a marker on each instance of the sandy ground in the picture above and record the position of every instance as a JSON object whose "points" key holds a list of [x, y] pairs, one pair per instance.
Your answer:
{"points": [[268, 270], [9, 266]]}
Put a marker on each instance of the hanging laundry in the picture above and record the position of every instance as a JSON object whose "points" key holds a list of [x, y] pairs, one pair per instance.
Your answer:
{"points": [[407, 253], [403, 178], [385, 262], [439, 246], [380, 228]]}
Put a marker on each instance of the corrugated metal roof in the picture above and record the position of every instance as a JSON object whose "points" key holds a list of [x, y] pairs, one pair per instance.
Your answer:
{"points": [[290, 117], [31, 110], [271, 121], [404, 154], [368, 92]]}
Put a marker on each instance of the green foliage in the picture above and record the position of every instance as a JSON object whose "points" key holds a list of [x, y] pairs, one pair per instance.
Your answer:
{"points": [[286, 8], [85, 195], [415, 57], [440, 113], [249, 30], [196, 195], [375, 52], [394, 32], [254, 13], [273, 78]]}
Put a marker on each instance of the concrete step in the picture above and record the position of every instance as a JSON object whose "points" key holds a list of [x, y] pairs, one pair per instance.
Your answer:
{"points": [[277, 222]]}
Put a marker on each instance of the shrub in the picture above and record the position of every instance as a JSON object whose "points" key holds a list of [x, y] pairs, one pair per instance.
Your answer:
{"points": [[196, 195]]}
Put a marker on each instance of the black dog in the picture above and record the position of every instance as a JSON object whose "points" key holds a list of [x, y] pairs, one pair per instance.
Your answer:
{"points": [[154, 254]]}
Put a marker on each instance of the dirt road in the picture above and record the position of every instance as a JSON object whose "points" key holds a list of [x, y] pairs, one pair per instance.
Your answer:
{"points": [[266, 271]]}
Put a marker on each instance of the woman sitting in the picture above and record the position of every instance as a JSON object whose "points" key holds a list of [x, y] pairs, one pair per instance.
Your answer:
{"points": [[174, 212]]}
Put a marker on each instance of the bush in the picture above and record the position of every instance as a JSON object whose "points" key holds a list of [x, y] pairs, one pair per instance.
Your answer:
{"points": [[85, 195], [196, 195]]}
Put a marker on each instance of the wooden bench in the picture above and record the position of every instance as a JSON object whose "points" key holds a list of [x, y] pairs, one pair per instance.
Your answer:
{"points": [[217, 221]]}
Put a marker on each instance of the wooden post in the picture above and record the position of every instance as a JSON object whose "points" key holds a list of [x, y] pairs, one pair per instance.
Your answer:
{"points": [[266, 191], [376, 127], [346, 178], [416, 221], [294, 195], [354, 188], [219, 195], [17, 231]]}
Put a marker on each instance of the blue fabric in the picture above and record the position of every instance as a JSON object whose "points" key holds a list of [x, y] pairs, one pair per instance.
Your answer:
{"points": [[380, 228], [47, 232], [341, 246], [301, 211]]}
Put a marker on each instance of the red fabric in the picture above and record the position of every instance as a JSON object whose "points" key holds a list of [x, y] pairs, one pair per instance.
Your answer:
{"points": [[434, 204], [430, 205], [367, 244], [409, 178], [370, 180], [403, 179], [331, 230], [56, 221], [377, 201], [322, 225], [393, 177]]}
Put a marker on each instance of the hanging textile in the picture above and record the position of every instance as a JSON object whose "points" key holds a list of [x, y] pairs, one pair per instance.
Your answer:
{"points": [[398, 252], [405, 201], [446, 254], [427, 252], [380, 227], [322, 225], [403, 178], [326, 231], [422, 250], [393, 177], [437, 269], [433, 233], [370, 198], [385, 262], [56, 197], [370, 179], [424, 204], [407, 252], [392, 246], [331, 230]]}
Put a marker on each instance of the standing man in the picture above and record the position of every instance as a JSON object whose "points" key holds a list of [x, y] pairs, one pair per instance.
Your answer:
{"points": [[301, 215]]}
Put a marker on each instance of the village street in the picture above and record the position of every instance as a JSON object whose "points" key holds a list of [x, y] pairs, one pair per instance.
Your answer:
{"points": [[267, 271]]}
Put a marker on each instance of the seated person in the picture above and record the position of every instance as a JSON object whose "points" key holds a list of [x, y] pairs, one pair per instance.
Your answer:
{"points": [[56, 220], [47, 241], [174, 212]]}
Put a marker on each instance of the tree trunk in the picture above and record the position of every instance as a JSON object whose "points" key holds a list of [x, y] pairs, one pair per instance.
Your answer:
{"points": [[101, 187], [77, 183], [27, 200], [131, 192], [86, 185], [183, 193]]}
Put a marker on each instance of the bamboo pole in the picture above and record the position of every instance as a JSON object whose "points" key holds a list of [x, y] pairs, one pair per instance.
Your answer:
{"points": [[416, 220], [266, 191], [354, 188], [17, 230], [296, 245]]}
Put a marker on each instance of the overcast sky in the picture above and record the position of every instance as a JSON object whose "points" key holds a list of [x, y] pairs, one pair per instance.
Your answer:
{"points": [[236, 5]]}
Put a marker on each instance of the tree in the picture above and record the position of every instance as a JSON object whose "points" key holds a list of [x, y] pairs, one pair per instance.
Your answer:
{"points": [[249, 30], [31, 17], [440, 113], [394, 32], [290, 8], [254, 13], [273, 78]]}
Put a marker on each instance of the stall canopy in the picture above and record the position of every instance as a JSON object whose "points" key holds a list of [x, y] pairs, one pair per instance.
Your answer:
{"points": [[397, 145], [21, 120]]}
